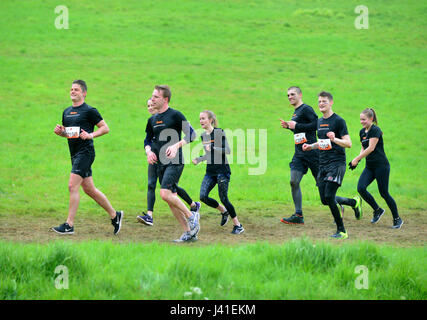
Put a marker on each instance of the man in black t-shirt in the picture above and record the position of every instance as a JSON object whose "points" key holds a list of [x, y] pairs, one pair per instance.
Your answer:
{"points": [[78, 123], [164, 130], [332, 140], [303, 125]]}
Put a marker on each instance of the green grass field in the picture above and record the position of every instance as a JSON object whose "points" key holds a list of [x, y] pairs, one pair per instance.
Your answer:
{"points": [[236, 58], [296, 270]]}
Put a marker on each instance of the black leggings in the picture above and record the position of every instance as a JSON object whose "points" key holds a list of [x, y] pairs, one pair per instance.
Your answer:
{"points": [[328, 191], [382, 175], [151, 190], [208, 184]]}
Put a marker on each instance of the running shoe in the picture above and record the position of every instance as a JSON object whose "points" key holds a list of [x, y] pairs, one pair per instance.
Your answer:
{"points": [[238, 229], [377, 215], [117, 221], [224, 218], [340, 235], [294, 219], [197, 206], [358, 208], [194, 223], [145, 219], [397, 223], [64, 229], [186, 237]]}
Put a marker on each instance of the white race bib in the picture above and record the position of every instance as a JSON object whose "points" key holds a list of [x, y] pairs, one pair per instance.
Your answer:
{"points": [[324, 144], [72, 132], [300, 138]]}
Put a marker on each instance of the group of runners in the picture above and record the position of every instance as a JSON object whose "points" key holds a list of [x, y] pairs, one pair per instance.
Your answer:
{"points": [[167, 131], [325, 157]]}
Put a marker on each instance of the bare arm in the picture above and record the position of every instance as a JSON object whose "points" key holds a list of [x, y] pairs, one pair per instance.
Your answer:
{"points": [[344, 142], [366, 152]]}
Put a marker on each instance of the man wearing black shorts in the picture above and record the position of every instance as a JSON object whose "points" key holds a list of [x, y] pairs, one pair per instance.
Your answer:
{"points": [[303, 125], [78, 123], [164, 130], [333, 138], [147, 218]]}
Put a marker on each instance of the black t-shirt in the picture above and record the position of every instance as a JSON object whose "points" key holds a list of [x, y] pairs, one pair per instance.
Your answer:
{"points": [[216, 158], [376, 158], [163, 130], [330, 152], [305, 129], [82, 117]]}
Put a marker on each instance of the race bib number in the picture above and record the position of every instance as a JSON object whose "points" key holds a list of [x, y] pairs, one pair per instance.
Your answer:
{"points": [[325, 144], [72, 132], [300, 138]]}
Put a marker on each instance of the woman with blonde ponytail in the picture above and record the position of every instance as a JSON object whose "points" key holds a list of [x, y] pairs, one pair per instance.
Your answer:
{"points": [[217, 169]]}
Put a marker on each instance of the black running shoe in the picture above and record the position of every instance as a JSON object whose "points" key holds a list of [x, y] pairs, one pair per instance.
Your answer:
{"points": [[224, 218], [64, 229], [294, 219], [117, 221], [377, 215], [397, 223]]}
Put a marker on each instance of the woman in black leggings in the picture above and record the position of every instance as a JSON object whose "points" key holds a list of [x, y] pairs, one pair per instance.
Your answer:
{"points": [[217, 169], [377, 167]]}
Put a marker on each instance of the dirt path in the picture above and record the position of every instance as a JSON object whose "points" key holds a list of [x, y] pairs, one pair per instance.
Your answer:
{"points": [[318, 226]]}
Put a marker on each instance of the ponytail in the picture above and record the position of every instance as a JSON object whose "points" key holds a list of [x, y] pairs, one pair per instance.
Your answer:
{"points": [[370, 112], [212, 118]]}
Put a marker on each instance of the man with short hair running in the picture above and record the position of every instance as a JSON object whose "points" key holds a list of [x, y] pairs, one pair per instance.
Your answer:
{"points": [[147, 218], [164, 130], [78, 122], [333, 138], [303, 125]]}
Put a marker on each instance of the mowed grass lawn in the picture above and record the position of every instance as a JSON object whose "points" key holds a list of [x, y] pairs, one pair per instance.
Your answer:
{"points": [[235, 58]]}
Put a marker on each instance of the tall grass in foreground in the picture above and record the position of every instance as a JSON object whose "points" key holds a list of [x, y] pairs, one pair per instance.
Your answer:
{"points": [[300, 269]]}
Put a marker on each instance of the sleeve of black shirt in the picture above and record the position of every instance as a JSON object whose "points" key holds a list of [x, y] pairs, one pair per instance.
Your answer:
{"points": [[342, 129], [94, 116], [149, 134], [187, 129], [375, 132], [311, 125]]}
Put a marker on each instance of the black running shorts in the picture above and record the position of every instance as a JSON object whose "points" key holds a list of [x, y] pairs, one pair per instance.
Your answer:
{"points": [[302, 163], [169, 176], [82, 164], [333, 172]]}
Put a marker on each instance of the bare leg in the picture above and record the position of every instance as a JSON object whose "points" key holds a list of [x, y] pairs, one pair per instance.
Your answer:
{"points": [[73, 187], [90, 189], [177, 207]]}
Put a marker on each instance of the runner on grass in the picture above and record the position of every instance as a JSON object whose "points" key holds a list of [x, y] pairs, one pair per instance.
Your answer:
{"points": [[303, 125], [147, 218], [377, 167], [164, 129], [78, 123], [333, 138], [217, 170]]}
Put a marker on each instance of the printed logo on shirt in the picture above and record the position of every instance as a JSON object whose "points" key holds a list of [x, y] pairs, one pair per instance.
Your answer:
{"points": [[325, 144], [300, 138], [157, 122]]}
